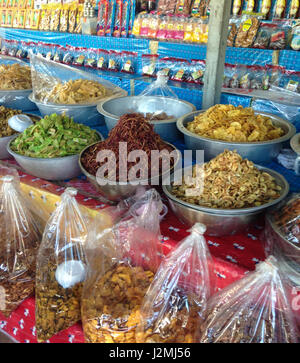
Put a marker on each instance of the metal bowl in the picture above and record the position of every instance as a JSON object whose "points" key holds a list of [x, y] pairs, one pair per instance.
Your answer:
{"points": [[258, 152], [61, 168], [84, 114], [114, 108], [117, 191], [4, 154], [222, 222], [17, 99]]}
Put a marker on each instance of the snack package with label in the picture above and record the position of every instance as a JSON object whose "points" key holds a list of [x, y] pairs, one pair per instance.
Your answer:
{"points": [[102, 17], [58, 83], [231, 76], [91, 56], [196, 72], [125, 18], [149, 64], [145, 23], [181, 70], [291, 81], [159, 89], [280, 35], [176, 301], [233, 27], [129, 62], [166, 6], [295, 38], [61, 268], [279, 9], [79, 56], [111, 11], [251, 6], [118, 19], [247, 32], [255, 309], [183, 7], [102, 59], [165, 66], [294, 11], [153, 26], [114, 61], [72, 19], [162, 29], [121, 269], [263, 37], [276, 74], [21, 238], [265, 8], [64, 19], [237, 7]]}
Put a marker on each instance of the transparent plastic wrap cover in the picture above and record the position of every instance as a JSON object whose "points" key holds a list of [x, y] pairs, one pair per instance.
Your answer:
{"points": [[175, 303], [20, 240], [158, 93], [255, 309], [286, 111], [61, 268], [56, 83], [121, 269], [16, 86]]}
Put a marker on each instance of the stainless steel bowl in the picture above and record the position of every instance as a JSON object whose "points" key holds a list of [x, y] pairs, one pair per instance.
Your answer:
{"points": [[4, 154], [114, 108], [49, 169], [117, 191], [258, 152], [222, 222], [84, 114], [17, 99]]}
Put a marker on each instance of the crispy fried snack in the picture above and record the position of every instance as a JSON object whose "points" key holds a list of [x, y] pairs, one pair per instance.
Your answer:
{"points": [[234, 124], [230, 182], [113, 312], [15, 77], [79, 91]]}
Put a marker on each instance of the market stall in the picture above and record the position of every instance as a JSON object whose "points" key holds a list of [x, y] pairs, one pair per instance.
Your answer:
{"points": [[108, 252]]}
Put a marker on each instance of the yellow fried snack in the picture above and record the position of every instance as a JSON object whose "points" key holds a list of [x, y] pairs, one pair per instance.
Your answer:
{"points": [[79, 91], [230, 182], [15, 77], [234, 124]]}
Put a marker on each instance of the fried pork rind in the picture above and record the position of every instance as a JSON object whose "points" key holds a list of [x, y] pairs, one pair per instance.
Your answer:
{"points": [[234, 124], [79, 91], [15, 77], [231, 182]]}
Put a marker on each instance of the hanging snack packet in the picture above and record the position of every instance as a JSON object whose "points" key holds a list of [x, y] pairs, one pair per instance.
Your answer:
{"points": [[234, 24], [162, 29], [118, 19], [294, 12], [59, 54], [237, 7], [245, 76], [19, 245], [149, 64], [68, 54], [265, 8], [255, 309], [175, 303], [111, 10], [276, 74], [54, 23], [127, 259], [79, 56], [197, 71], [64, 19], [279, 9], [61, 268], [263, 37], [153, 26], [125, 18], [295, 41], [129, 62], [102, 17], [166, 66], [91, 55], [181, 68], [251, 6], [291, 81], [257, 77], [72, 19], [247, 32], [22, 51], [102, 59], [114, 60], [279, 36]]}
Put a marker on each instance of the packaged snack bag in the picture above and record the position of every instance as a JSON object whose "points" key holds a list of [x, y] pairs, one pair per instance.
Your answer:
{"points": [[79, 56], [153, 26], [183, 7], [114, 61], [145, 24], [279, 9], [72, 19], [149, 64], [90, 58], [59, 54], [20, 242], [170, 34], [21, 18], [3, 17], [237, 7], [179, 28], [64, 19], [22, 52], [176, 301], [291, 81], [68, 54], [78, 26], [165, 66], [231, 76], [137, 25], [188, 30], [15, 19], [102, 59], [245, 76], [263, 37], [121, 269], [162, 29], [255, 309], [257, 77], [110, 17], [234, 24], [197, 70], [118, 19], [295, 40], [251, 5], [55, 17], [61, 268], [276, 74], [35, 19], [279, 36], [128, 60], [247, 32], [180, 72], [9, 18], [125, 18], [294, 12], [265, 8], [102, 17]]}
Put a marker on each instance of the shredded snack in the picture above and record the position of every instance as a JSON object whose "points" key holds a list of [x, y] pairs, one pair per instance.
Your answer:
{"points": [[230, 182], [116, 303], [234, 124], [80, 91], [15, 77]]}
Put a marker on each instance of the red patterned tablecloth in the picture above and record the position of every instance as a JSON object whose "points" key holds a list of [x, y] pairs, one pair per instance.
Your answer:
{"points": [[234, 256]]}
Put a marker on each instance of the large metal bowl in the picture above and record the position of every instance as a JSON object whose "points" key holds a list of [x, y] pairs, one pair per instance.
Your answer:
{"points": [[258, 152], [4, 154], [49, 169], [84, 114], [222, 222], [117, 191], [114, 108]]}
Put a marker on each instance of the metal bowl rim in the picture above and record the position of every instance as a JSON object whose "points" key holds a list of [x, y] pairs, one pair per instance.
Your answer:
{"points": [[28, 90], [14, 154], [232, 212], [124, 183], [286, 137], [101, 110]]}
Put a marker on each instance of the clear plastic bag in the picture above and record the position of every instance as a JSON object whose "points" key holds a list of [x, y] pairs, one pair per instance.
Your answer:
{"points": [[60, 84], [176, 300], [120, 272], [20, 240], [255, 309], [61, 268], [156, 103]]}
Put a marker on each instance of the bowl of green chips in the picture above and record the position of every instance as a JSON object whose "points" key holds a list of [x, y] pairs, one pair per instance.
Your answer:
{"points": [[50, 148]]}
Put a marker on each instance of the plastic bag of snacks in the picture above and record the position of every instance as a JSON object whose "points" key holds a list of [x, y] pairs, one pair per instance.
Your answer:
{"points": [[263, 37], [196, 71], [102, 59], [279, 36], [166, 66], [180, 71], [129, 62], [233, 27], [61, 268], [114, 61], [275, 74], [291, 81], [247, 32], [127, 259], [175, 303], [255, 309], [20, 240], [60, 84], [79, 56], [149, 64], [295, 38], [231, 76], [91, 57]]}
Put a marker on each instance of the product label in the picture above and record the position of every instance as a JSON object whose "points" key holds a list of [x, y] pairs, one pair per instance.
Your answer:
{"points": [[247, 25]]}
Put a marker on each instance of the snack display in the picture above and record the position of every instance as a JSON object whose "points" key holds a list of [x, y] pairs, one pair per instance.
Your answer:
{"points": [[255, 309], [61, 268], [139, 134], [234, 124], [54, 136], [20, 240], [15, 77], [117, 283], [230, 183], [176, 301]]}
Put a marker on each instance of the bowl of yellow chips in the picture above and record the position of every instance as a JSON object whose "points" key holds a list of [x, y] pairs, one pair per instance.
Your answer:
{"points": [[256, 136]]}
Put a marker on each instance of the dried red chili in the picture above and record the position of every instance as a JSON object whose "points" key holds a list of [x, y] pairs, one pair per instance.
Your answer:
{"points": [[139, 134]]}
